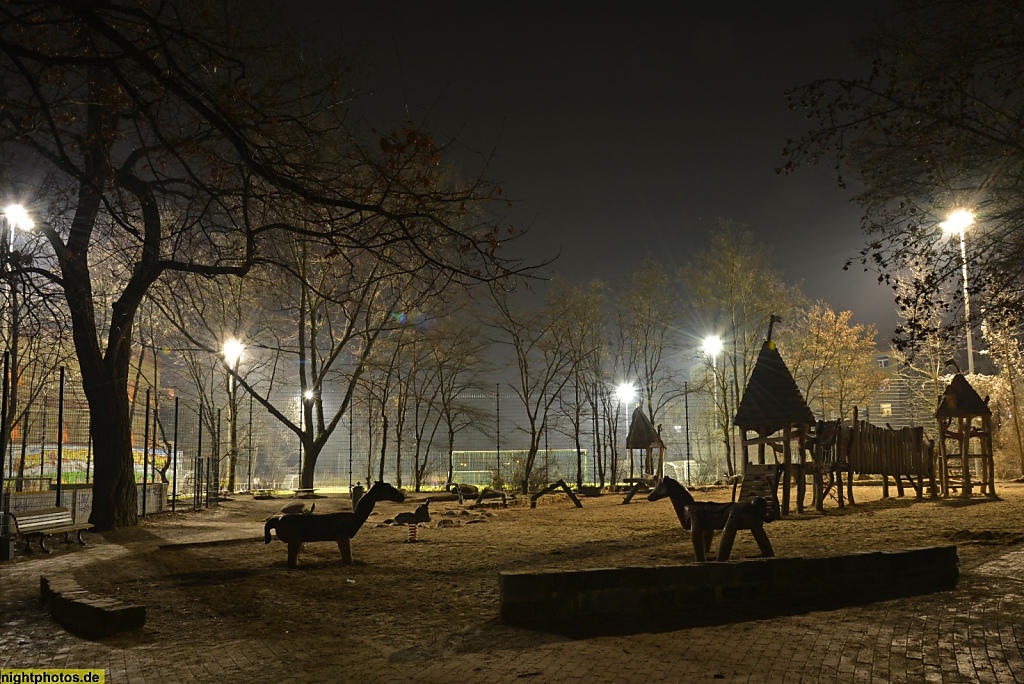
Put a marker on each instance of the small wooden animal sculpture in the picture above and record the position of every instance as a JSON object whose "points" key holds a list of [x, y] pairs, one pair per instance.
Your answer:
{"points": [[294, 529], [702, 518], [421, 514], [297, 507], [464, 491]]}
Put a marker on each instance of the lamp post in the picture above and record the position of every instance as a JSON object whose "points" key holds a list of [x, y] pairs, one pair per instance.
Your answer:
{"points": [[958, 222], [625, 393], [15, 217], [233, 350], [712, 347]]}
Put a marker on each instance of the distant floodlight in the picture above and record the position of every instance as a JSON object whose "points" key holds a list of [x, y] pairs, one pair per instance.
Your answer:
{"points": [[308, 394], [18, 216], [713, 345], [233, 350], [625, 392]]}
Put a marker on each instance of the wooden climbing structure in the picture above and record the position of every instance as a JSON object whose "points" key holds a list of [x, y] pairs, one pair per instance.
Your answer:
{"points": [[773, 414], [965, 442]]}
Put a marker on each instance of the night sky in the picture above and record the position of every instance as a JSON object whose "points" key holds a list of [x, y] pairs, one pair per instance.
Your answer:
{"points": [[626, 131]]}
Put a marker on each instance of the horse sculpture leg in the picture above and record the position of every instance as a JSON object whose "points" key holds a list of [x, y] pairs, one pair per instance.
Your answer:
{"points": [[762, 541], [294, 546], [345, 546], [729, 534], [698, 536]]}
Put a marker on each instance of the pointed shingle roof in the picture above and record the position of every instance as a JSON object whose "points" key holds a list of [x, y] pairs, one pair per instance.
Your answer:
{"points": [[771, 399], [960, 399], [642, 433]]}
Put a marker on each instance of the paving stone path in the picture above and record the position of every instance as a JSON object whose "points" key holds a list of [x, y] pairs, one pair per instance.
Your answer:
{"points": [[973, 634]]}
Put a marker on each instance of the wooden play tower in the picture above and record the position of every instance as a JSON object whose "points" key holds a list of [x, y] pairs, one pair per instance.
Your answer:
{"points": [[774, 410], [644, 437], [965, 442]]}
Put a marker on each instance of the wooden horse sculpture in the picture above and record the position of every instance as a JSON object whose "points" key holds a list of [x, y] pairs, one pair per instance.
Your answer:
{"points": [[296, 528], [702, 518]]}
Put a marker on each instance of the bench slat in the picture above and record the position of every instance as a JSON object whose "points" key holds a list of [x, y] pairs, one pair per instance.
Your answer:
{"points": [[46, 521]]}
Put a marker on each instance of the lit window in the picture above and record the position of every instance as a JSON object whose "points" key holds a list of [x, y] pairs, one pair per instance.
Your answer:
{"points": [[886, 409]]}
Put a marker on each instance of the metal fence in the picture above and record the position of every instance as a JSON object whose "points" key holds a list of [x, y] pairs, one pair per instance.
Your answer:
{"points": [[185, 446]]}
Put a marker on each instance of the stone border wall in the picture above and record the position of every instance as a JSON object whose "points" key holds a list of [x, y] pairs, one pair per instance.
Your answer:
{"points": [[649, 598]]}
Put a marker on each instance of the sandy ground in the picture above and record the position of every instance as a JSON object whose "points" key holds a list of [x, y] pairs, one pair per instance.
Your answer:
{"points": [[204, 575]]}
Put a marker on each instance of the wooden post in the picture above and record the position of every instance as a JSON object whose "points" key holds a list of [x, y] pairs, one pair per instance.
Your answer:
{"points": [[787, 468], [801, 471], [986, 446], [917, 439], [896, 460], [819, 466], [854, 456], [965, 459]]}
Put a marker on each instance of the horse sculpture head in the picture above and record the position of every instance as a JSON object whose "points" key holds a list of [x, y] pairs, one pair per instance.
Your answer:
{"points": [[669, 487], [382, 491]]}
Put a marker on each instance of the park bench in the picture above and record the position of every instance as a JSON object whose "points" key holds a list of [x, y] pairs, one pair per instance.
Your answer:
{"points": [[43, 522]]}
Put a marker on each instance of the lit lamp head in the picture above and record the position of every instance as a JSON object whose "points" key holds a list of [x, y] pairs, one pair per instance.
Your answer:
{"points": [[713, 345], [18, 217], [233, 351], [625, 392], [308, 395], [957, 222]]}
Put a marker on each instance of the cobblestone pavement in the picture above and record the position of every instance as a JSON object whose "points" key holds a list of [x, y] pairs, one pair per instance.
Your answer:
{"points": [[973, 634]]}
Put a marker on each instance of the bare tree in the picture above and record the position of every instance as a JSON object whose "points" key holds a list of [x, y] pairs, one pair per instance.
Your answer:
{"points": [[177, 134], [933, 125], [651, 317], [585, 343], [542, 362], [735, 291]]}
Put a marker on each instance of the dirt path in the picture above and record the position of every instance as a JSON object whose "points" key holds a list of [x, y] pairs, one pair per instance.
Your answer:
{"points": [[208, 578]]}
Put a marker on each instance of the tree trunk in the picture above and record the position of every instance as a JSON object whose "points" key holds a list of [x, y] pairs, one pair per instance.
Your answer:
{"points": [[383, 444], [115, 498], [309, 458]]}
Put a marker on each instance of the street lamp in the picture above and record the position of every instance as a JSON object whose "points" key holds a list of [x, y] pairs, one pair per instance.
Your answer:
{"points": [[713, 346], [625, 393], [18, 217], [15, 216], [233, 350], [958, 222]]}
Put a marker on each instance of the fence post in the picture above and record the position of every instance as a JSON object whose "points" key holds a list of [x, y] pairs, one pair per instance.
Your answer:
{"points": [[174, 463], [199, 462], [60, 434], [145, 453]]}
